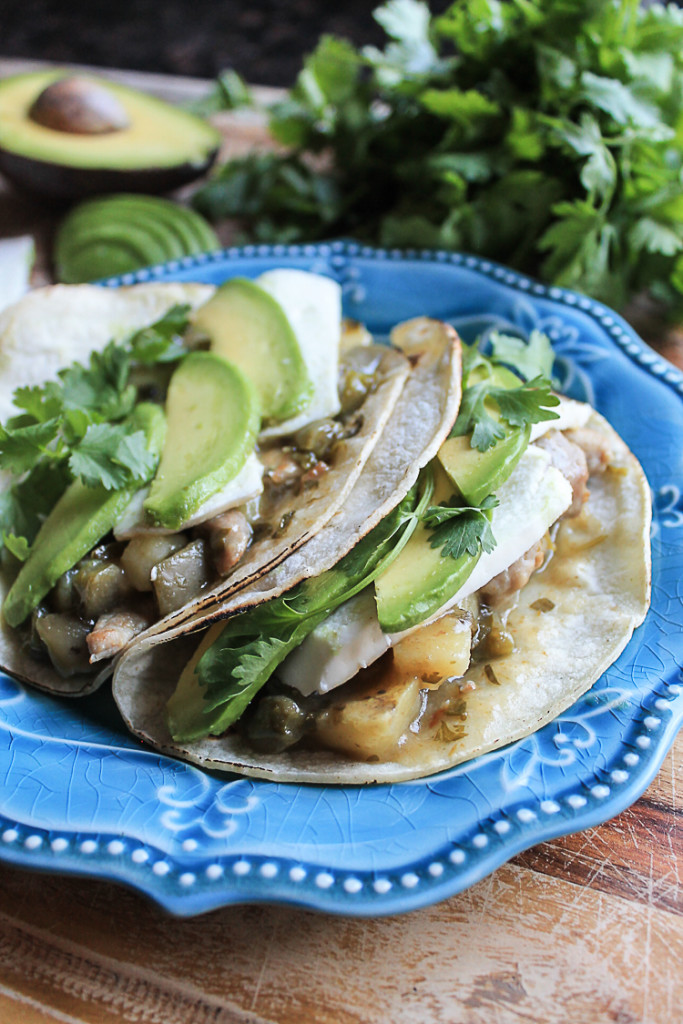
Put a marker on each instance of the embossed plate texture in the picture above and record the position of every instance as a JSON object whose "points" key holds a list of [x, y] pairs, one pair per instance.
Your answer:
{"points": [[77, 794]]}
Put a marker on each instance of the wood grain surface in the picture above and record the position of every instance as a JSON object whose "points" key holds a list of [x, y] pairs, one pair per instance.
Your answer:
{"points": [[582, 930]]}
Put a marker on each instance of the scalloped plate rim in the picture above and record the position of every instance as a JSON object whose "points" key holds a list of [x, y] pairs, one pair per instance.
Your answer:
{"points": [[394, 900]]}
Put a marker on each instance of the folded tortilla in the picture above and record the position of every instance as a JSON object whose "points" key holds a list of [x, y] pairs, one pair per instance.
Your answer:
{"points": [[114, 313], [570, 623]]}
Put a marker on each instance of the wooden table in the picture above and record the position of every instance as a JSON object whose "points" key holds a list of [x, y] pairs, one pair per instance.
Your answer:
{"points": [[585, 929]]}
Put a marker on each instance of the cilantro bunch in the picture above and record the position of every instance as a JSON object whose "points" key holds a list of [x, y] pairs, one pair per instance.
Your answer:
{"points": [[547, 134], [80, 427]]}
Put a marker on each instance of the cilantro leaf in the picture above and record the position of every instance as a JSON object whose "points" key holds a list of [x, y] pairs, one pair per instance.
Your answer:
{"points": [[101, 387], [161, 342], [485, 405], [41, 402], [25, 504], [530, 403], [111, 456], [528, 358], [22, 447], [459, 530]]}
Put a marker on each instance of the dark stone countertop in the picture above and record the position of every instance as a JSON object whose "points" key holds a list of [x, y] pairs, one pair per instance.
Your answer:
{"points": [[263, 40]]}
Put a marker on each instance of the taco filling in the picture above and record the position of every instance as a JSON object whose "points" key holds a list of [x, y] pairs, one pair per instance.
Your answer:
{"points": [[493, 593], [176, 463]]}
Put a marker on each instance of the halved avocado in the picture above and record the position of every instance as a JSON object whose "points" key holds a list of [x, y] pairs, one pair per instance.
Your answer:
{"points": [[159, 148]]}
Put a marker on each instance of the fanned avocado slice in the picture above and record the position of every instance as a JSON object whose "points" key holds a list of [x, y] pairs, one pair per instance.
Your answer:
{"points": [[151, 147], [149, 229], [213, 418]]}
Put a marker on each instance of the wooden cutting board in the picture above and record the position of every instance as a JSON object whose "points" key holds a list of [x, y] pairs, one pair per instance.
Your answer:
{"points": [[585, 929]]}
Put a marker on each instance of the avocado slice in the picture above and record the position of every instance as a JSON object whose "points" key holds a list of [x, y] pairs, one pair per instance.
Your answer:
{"points": [[82, 517], [159, 148], [249, 327], [477, 474], [213, 418], [420, 580]]}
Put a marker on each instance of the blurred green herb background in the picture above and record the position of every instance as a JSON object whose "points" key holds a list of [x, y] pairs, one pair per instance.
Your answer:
{"points": [[546, 134]]}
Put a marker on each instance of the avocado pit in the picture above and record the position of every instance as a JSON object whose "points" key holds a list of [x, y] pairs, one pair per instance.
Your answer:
{"points": [[78, 106]]}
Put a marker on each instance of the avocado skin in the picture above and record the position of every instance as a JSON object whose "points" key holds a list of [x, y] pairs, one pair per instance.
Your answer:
{"points": [[59, 182]]}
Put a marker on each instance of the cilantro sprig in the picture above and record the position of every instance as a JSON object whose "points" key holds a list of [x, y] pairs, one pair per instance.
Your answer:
{"points": [[528, 403], [460, 530], [80, 426], [531, 401], [544, 135]]}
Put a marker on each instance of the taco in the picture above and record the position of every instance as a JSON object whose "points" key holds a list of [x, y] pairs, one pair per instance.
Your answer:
{"points": [[169, 466], [439, 615]]}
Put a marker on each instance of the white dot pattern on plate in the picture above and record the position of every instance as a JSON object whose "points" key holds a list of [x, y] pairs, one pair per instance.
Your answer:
{"points": [[576, 801], [414, 874]]}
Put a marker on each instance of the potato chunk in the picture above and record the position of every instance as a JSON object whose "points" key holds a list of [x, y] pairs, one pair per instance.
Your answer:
{"points": [[437, 651], [372, 720]]}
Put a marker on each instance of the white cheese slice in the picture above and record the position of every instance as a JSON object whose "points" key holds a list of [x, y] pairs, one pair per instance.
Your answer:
{"points": [[338, 648], [246, 485], [50, 328], [571, 415], [16, 261], [312, 304], [530, 501]]}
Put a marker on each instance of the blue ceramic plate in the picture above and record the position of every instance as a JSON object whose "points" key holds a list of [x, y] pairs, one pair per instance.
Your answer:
{"points": [[79, 795]]}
